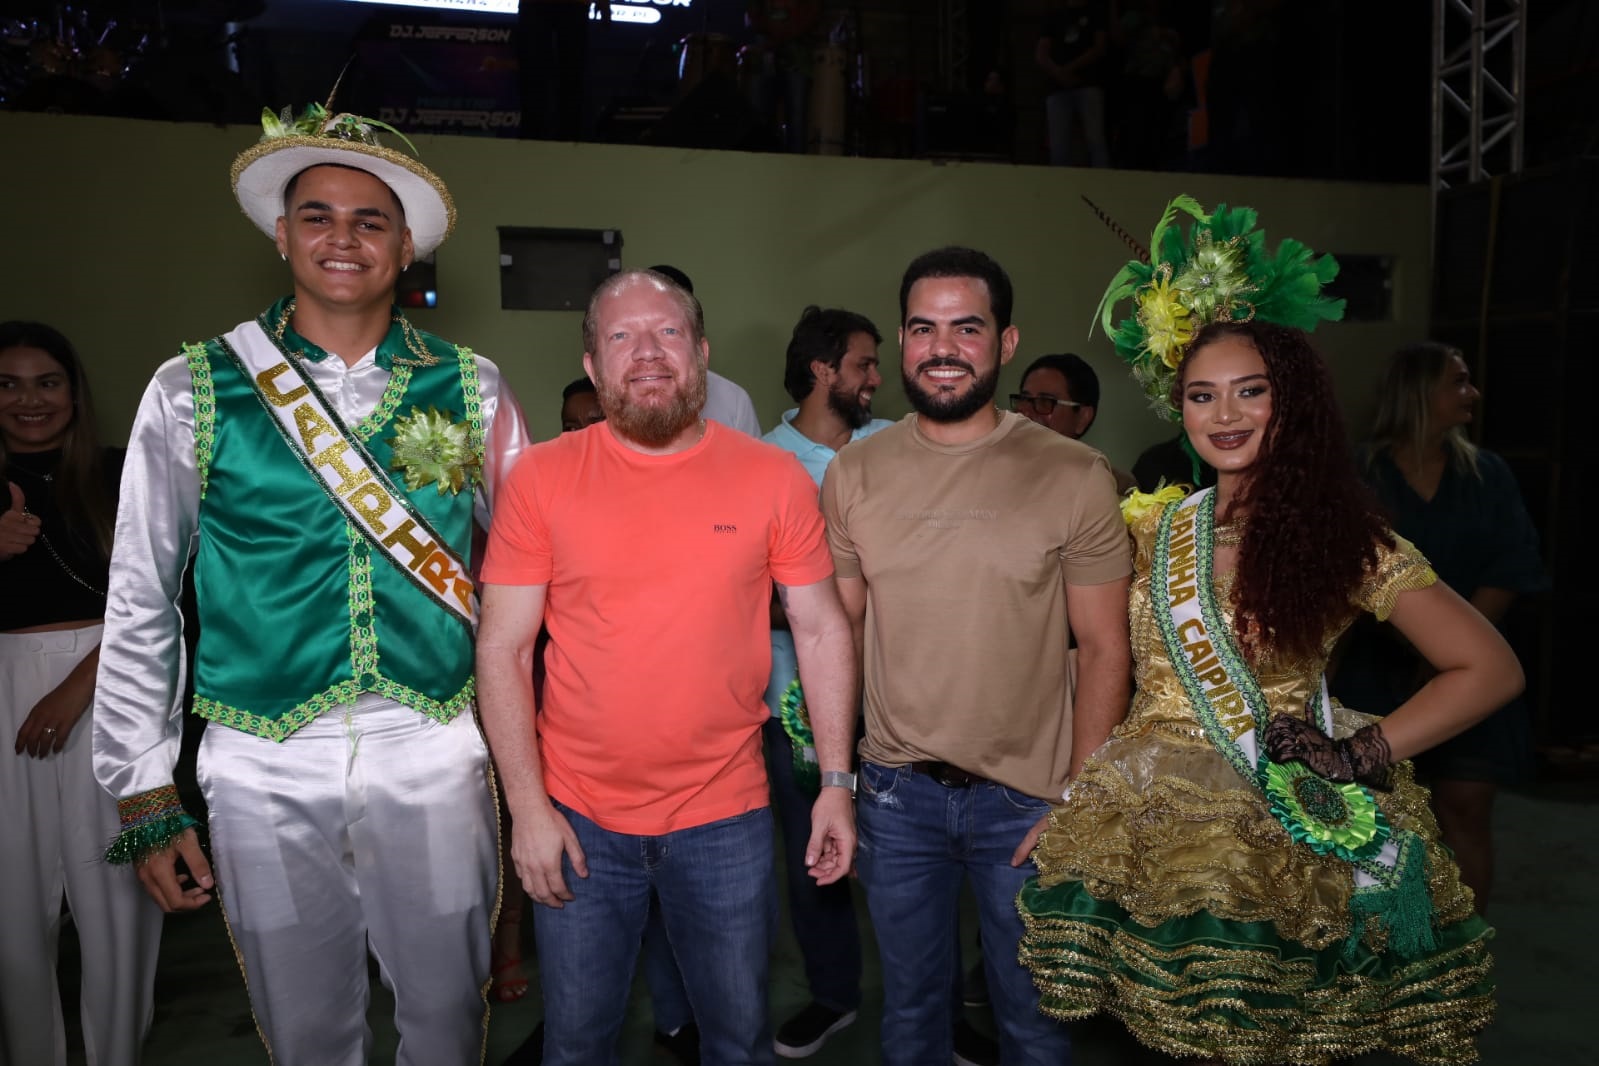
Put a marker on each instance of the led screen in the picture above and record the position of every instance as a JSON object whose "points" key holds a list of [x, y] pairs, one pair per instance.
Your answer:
{"points": [[641, 12]]}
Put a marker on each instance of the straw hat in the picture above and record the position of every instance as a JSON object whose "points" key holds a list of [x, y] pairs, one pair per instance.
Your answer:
{"points": [[288, 146]]}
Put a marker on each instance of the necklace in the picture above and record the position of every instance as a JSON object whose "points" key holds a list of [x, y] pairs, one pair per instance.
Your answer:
{"points": [[62, 563], [413, 340], [47, 476], [1230, 535], [44, 538]]}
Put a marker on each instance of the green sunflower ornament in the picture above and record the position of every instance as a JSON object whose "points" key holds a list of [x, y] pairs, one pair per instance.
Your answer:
{"points": [[431, 447], [1329, 817]]}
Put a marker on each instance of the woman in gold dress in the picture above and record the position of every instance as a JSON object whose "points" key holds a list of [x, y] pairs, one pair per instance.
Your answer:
{"points": [[1246, 872]]}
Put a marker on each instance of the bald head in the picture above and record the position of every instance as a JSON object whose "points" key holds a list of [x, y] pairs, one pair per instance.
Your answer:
{"points": [[620, 282]]}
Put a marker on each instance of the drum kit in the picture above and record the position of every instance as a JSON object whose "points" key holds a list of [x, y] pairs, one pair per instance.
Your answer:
{"points": [[779, 25], [700, 55], [79, 56], [106, 56]]}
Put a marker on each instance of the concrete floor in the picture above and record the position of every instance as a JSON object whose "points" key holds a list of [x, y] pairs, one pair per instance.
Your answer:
{"points": [[1544, 910]]}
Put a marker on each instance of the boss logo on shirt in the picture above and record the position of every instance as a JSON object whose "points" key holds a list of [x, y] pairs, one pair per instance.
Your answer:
{"points": [[724, 528]]}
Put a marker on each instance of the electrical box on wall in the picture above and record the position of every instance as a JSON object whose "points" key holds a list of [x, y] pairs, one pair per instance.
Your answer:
{"points": [[555, 269]]}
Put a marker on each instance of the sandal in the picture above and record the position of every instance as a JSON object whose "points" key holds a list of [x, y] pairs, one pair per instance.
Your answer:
{"points": [[508, 981]]}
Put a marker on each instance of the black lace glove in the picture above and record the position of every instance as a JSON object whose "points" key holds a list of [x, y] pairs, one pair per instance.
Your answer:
{"points": [[1363, 757]]}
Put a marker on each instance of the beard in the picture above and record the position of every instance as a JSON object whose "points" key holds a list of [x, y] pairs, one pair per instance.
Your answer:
{"points": [[654, 423], [940, 406], [848, 407]]}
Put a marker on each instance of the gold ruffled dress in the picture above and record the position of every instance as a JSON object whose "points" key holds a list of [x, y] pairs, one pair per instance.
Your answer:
{"points": [[1170, 896]]}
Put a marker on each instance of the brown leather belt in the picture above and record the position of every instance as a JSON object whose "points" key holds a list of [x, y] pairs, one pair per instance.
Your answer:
{"points": [[947, 775]]}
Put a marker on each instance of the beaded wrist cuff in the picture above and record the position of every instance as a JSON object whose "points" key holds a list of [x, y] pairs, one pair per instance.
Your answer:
{"points": [[150, 822]]}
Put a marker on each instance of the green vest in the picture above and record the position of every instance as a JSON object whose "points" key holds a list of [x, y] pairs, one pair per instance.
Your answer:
{"points": [[298, 612]]}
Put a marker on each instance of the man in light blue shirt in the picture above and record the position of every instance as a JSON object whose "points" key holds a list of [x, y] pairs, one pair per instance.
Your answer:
{"points": [[832, 372]]}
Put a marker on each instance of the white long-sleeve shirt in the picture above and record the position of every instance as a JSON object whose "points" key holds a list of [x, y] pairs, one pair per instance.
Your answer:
{"points": [[138, 703]]}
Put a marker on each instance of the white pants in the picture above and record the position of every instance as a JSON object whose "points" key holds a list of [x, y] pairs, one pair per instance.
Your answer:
{"points": [[371, 828], [55, 824]]}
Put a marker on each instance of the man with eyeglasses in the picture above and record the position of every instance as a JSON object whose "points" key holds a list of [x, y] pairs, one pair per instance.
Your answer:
{"points": [[1061, 392]]}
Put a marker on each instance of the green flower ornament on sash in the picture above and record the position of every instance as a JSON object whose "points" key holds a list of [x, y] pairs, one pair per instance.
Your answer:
{"points": [[1388, 866], [1329, 817], [430, 447]]}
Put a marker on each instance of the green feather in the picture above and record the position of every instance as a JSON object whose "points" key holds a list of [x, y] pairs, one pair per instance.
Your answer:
{"points": [[1235, 278], [1290, 292], [1186, 204], [391, 129], [315, 121], [1123, 285]]}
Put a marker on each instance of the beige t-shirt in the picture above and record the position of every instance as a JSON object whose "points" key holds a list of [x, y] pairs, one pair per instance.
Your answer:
{"points": [[966, 551]]}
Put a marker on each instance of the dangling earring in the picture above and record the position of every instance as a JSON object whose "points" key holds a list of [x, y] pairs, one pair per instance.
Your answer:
{"points": [[283, 256], [405, 268]]}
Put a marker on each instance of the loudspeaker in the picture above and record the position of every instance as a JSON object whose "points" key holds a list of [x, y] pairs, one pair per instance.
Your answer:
{"points": [[714, 114], [1516, 287], [964, 126]]}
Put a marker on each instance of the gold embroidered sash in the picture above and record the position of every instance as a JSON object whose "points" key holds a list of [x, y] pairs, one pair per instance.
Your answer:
{"points": [[348, 474], [1330, 817]]}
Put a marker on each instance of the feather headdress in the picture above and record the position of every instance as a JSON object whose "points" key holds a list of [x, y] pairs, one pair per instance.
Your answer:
{"points": [[1217, 269]]}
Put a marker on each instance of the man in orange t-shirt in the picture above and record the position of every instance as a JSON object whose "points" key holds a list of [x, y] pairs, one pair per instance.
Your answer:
{"points": [[647, 545]]}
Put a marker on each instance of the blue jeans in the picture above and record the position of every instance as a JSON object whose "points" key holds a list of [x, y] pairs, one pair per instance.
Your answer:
{"points": [[823, 915], [918, 840], [718, 897], [668, 998]]}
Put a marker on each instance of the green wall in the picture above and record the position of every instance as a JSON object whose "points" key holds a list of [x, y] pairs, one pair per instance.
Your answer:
{"points": [[124, 234]]}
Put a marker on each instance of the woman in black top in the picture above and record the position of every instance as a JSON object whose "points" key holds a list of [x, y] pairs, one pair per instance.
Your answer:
{"points": [[1461, 506], [55, 548]]}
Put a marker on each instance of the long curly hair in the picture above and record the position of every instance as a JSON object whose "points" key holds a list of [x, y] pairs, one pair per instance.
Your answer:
{"points": [[1313, 527]]}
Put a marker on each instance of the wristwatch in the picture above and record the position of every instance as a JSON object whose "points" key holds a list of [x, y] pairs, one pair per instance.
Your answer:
{"points": [[839, 779]]}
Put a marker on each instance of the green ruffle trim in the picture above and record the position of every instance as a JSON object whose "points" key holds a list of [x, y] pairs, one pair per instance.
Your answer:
{"points": [[138, 843], [205, 410], [1241, 993], [340, 692]]}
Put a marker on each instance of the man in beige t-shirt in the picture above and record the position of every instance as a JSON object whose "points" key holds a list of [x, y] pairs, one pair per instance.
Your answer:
{"points": [[964, 540]]}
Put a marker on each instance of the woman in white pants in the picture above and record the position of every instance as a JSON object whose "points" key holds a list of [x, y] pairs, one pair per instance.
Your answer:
{"points": [[55, 540]]}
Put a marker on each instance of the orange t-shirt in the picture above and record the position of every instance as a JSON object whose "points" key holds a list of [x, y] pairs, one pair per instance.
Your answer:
{"points": [[659, 572]]}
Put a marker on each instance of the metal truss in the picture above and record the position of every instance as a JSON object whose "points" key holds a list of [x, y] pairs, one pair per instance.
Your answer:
{"points": [[1478, 96], [954, 53]]}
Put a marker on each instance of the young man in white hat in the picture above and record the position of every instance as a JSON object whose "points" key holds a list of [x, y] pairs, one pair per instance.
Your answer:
{"points": [[323, 465]]}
